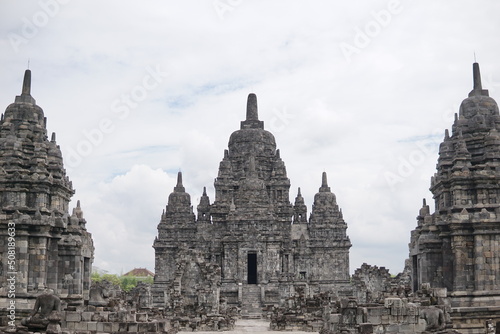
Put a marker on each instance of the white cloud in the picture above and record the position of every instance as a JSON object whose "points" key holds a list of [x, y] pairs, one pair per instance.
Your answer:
{"points": [[123, 213]]}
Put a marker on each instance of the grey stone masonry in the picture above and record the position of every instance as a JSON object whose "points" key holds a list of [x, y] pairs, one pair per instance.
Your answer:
{"points": [[262, 244], [49, 247], [458, 246]]}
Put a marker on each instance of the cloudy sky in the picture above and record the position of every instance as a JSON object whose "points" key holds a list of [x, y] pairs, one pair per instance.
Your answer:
{"points": [[137, 91]]}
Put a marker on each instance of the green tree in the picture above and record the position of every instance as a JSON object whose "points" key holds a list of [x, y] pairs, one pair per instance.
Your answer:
{"points": [[126, 283]]}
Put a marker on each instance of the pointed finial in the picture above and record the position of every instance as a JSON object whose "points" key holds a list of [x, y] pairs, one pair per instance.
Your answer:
{"points": [[278, 153], [446, 134], [204, 191], [179, 179], [298, 193], [179, 187], [478, 87], [252, 120], [477, 77], [78, 204], [53, 137], [324, 181], [252, 112], [424, 202], [324, 184], [26, 90], [27, 83]]}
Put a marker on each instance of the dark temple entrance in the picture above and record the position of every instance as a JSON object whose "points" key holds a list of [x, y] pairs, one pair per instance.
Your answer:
{"points": [[252, 268]]}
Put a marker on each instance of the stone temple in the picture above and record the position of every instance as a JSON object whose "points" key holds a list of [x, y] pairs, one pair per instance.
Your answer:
{"points": [[458, 246], [252, 252], [257, 245], [49, 248]]}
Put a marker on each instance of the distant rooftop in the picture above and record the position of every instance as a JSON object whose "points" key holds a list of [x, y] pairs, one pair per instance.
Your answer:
{"points": [[140, 272]]}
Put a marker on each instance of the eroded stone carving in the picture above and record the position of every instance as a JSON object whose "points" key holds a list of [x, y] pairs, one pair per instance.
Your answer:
{"points": [[45, 312]]}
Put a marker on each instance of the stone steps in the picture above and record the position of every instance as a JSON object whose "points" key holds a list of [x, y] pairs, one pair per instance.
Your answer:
{"points": [[251, 307]]}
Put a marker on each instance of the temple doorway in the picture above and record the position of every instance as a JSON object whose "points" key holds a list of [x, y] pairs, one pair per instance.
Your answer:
{"points": [[252, 268]]}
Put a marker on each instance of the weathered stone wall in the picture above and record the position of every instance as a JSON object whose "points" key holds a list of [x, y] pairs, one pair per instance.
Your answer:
{"points": [[113, 322]]}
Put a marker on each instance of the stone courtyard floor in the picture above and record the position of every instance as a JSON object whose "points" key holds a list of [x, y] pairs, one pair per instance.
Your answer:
{"points": [[257, 326]]}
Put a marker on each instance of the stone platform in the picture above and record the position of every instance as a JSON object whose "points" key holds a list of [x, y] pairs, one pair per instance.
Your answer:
{"points": [[256, 326]]}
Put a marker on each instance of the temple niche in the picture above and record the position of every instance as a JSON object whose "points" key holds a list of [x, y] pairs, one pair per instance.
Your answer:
{"points": [[53, 249], [261, 247], [457, 246]]}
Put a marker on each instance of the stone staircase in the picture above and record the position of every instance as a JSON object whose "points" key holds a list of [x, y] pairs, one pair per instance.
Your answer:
{"points": [[251, 307]]}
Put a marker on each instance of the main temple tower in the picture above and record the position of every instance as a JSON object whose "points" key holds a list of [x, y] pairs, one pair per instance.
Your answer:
{"points": [[263, 245]]}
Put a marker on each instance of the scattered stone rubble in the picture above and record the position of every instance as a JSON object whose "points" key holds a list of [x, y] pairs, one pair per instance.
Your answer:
{"points": [[111, 310], [427, 310]]}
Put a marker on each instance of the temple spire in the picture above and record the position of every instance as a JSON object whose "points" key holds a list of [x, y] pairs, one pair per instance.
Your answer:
{"points": [[27, 83], [179, 187], [252, 120], [478, 87], [26, 91], [252, 111], [477, 76], [324, 183]]}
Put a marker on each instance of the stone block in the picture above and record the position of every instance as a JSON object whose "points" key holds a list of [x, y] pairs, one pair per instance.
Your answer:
{"points": [[115, 327], [122, 327], [164, 326], [107, 327], [130, 317], [113, 316], [142, 317], [81, 326], [73, 317], [92, 326], [105, 316], [87, 316], [143, 327], [392, 328], [133, 327], [152, 327], [100, 327], [365, 328]]}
